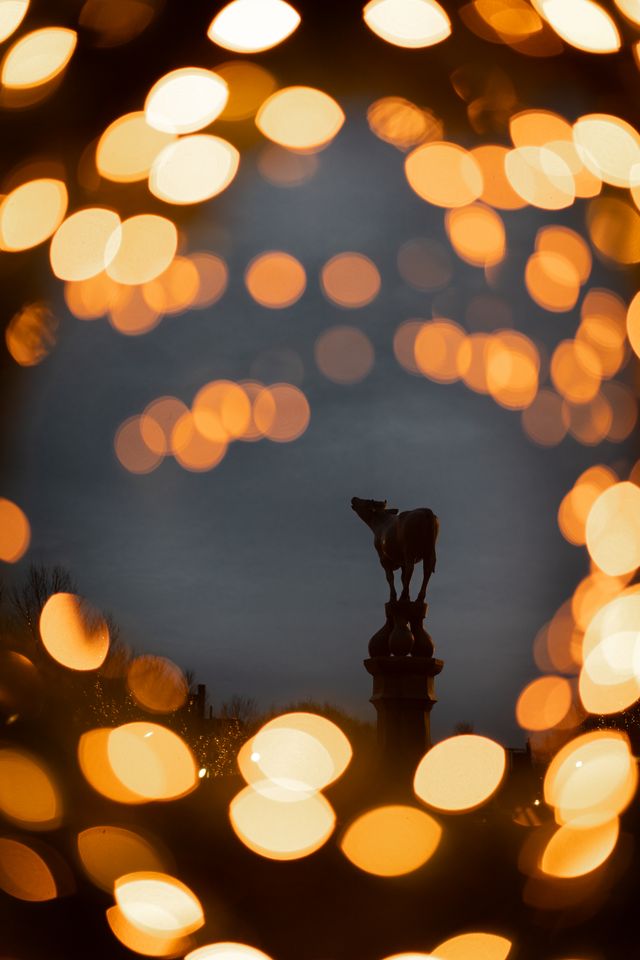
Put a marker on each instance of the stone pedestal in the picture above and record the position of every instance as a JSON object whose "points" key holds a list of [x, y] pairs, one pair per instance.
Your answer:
{"points": [[403, 668], [403, 695]]}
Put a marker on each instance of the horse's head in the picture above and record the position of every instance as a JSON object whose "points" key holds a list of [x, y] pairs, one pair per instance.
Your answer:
{"points": [[369, 510]]}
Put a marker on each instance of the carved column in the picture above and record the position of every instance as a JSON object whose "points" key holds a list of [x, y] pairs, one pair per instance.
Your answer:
{"points": [[403, 668]]}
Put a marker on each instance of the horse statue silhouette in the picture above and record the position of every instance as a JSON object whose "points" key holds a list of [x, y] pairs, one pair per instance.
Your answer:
{"points": [[401, 540]]}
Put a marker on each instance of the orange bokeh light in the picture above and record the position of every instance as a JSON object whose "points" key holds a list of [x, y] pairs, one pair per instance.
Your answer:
{"points": [[436, 350], [300, 118], [544, 703], [139, 444], [15, 531], [29, 796], [281, 412], [477, 234], [157, 684], [613, 529], [24, 874], [391, 841], [73, 632], [460, 773], [350, 280], [444, 174], [275, 279], [344, 354]]}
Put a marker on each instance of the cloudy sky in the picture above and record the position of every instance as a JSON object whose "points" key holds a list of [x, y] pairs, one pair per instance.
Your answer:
{"points": [[257, 576]]}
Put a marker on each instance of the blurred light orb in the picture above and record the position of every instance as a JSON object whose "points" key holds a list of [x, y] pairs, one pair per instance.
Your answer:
{"points": [[544, 703], [249, 86], [151, 944], [576, 371], [545, 420], [158, 684], [94, 297], [281, 412], [12, 13], [214, 277], [227, 951], [132, 316], [24, 874], [158, 903], [474, 946], [192, 449], [425, 264], [163, 413], [127, 148], [407, 23], [624, 407], [37, 57], [614, 229], [300, 118], [284, 168], [496, 191], [436, 348], [575, 507], [592, 779], [610, 675], [460, 773], [472, 361], [613, 529], [404, 345], [536, 128], [541, 177], [144, 247], [390, 841], [175, 290], [152, 761], [444, 174], [193, 169], [275, 279], [108, 852], [633, 324], [609, 147], [298, 751], [29, 795], [185, 100], [221, 410], [250, 26], [31, 213], [477, 234], [94, 762], [552, 280], [344, 354], [350, 280], [287, 758], [15, 531], [84, 243], [630, 8], [582, 23], [73, 632], [402, 123], [572, 852], [566, 243], [139, 444], [281, 830]]}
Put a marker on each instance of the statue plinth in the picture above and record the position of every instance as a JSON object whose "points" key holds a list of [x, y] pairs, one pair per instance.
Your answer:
{"points": [[403, 695], [403, 668]]}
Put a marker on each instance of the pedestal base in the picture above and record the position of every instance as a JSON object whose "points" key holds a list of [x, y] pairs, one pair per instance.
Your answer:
{"points": [[403, 695]]}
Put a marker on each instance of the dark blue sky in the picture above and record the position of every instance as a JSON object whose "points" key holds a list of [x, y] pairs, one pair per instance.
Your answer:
{"points": [[258, 576]]}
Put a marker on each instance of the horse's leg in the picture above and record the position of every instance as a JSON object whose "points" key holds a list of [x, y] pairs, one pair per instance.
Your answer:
{"points": [[426, 574], [407, 571], [390, 580]]}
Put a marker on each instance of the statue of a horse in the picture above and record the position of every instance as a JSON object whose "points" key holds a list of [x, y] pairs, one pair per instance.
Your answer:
{"points": [[402, 540]]}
